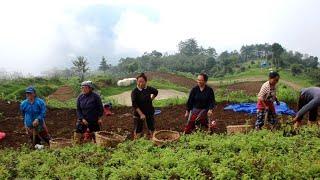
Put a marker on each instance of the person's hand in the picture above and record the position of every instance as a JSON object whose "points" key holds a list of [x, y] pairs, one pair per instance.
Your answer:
{"points": [[143, 117], [186, 114], [100, 122], [35, 123], [295, 119], [85, 122], [27, 131], [210, 113]]}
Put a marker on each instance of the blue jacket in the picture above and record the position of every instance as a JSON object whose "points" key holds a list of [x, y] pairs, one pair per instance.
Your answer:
{"points": [[30, 112]]}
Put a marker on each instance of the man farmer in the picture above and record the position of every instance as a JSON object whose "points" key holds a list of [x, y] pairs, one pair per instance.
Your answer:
{"points": [[309, 101], [89, 111], [34, 111]]}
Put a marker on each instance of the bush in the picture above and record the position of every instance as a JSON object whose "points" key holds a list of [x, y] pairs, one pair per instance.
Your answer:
{"points": [[256, 155], [296, 69], [287, 94]]}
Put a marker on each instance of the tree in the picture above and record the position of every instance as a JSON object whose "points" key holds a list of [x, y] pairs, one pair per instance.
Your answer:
{"points": [[80, 65], [277, 50], [189, 47], [155, 53], [296, 69], [103, 65]]}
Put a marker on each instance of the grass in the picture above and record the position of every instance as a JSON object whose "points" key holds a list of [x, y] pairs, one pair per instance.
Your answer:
{"points": [[256, 155], [169, 102], [15, 89], [53, 103], [287, 94], [259, 73], [163, 84], [114, 90]]}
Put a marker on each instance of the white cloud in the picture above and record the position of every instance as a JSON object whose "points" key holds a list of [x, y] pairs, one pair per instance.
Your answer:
{"points": [[42, 34]]}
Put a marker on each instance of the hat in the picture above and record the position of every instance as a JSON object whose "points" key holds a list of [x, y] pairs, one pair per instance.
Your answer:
{"points": [[30, 89], [87, 83]]}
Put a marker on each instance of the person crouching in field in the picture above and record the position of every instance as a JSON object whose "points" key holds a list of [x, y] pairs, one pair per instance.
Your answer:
{"points": [[89, 113], [34, 111], [143, 110], [200, 104], [266, 98], [309, 101]]}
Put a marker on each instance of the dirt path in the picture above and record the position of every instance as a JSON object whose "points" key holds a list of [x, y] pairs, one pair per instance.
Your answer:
{"points": [[63, 93], [125, 98]]}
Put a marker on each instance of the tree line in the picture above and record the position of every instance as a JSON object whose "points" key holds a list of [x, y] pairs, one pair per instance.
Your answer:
{"points": [[193, 58]]}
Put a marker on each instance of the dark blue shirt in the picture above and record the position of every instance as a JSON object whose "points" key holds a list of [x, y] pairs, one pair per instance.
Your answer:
{"points": [[89, 107]]}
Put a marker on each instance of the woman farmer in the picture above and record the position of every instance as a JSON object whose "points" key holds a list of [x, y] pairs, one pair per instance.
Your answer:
{"points": [[34, 111], [142, 97], [309, 101], [200, 104], [89, 111], [266, 98]]}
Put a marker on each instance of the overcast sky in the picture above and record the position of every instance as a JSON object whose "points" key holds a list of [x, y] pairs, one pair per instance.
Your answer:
{"points": [[39, 35]]}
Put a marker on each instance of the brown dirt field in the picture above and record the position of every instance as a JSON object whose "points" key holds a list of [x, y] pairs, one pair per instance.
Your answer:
{"points": [[250, 88], [173, 78], [63, 93], [61, 122]]}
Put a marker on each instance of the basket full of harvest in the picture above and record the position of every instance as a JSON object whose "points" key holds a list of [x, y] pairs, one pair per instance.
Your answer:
{"points": [[238, 129], [60, 143], [165, 136], [108, 139]]}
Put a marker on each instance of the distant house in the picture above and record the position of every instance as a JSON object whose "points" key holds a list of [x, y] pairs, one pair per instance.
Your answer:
{"points": [[264, 64]]}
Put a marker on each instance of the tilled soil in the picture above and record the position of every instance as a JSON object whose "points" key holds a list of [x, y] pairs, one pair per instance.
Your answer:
{"points": [[61, 122], [249, 88]]}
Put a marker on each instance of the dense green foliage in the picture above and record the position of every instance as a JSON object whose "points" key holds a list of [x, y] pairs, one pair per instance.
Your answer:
{"points": [[257, 155], [193, 58], [15, 89]]}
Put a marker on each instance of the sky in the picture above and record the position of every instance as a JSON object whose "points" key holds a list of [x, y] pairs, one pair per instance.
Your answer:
{"points": [[38, 35]]}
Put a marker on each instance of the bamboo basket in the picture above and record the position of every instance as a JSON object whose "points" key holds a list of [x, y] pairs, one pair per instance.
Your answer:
{"points": [[238, 129], [163, 137], [60, 143], [108, 139]]}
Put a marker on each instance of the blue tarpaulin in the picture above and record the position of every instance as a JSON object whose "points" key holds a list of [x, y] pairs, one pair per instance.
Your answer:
{"points": [[157, 112], [251, 108]]}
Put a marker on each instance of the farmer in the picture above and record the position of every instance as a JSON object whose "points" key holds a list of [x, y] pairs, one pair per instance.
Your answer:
{"points": [[142, 97], [89, 112], [309, 101], [266, 98], [34, 111], [200, 104]]}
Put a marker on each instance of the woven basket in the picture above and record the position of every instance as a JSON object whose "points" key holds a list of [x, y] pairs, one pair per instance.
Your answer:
{"points": [[238, 129], [163, 137], [60, 143], [108, 139]]}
